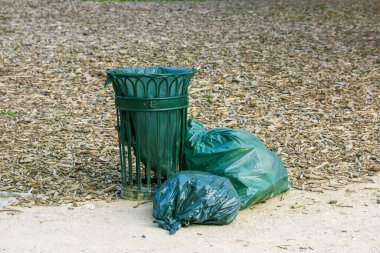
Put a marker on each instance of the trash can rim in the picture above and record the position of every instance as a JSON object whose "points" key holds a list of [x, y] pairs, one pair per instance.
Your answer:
{"points": [[138, 71]]}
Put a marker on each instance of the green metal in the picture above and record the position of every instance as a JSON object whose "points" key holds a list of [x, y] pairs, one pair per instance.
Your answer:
{"points": [[151, 104]]}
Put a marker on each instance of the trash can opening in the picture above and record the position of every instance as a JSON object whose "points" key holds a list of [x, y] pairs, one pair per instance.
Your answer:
{"points": [[150, 71]]}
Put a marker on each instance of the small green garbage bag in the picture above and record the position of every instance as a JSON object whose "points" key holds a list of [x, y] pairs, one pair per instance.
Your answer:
{"points": [[256, 172], [195, 197]]}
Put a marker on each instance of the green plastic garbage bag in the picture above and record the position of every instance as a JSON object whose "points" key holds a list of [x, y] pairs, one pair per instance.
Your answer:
{"points": [[195, 197], [159, 131], [256, 172]]}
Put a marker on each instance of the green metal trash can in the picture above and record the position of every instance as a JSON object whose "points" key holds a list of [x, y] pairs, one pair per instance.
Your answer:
{"points": [[151, 105]]}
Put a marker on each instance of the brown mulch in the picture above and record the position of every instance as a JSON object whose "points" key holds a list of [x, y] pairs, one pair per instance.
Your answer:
{"points": [[302, 75]]}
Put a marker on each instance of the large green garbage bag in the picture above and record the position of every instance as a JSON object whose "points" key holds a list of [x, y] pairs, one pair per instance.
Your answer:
{"points": [[157, 129], [256, 172], [195, 197]]}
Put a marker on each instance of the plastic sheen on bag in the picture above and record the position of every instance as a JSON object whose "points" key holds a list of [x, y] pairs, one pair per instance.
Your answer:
{"points": [[195, 197], [256, 172]]}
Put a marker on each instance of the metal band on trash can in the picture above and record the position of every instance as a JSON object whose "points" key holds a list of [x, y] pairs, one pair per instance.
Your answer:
{"points": [[151, 104]]}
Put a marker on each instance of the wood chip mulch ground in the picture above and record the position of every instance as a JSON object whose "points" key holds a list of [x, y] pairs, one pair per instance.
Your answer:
{"points": [[302, 75]]}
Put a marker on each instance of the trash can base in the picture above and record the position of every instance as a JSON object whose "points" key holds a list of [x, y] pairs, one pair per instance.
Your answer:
{"points": [[135, 194]]}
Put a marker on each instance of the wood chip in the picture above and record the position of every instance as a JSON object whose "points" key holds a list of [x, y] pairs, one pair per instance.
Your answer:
{"points": [[295, 206], [141, 203], [9, 210], [349, 206]]}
